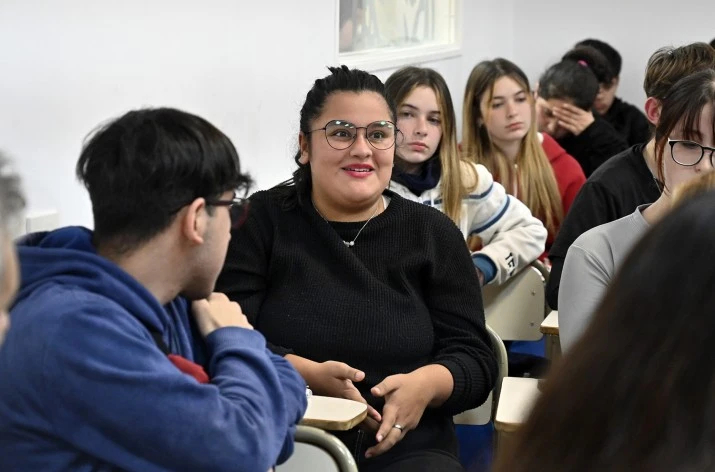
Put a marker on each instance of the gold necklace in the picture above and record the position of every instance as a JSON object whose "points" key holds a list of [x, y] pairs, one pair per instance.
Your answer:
{"points": [[349, 243]]}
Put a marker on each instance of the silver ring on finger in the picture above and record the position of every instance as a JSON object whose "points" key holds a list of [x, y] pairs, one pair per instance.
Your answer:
{"points": [[399, 426]]}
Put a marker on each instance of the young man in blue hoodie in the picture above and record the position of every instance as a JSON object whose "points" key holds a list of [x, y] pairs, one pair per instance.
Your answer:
{"points": [[120, 356], [12, 202]]}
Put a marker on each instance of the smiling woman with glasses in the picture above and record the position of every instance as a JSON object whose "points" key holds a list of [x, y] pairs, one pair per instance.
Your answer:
{"points": [[370, 296], [685, 142]]}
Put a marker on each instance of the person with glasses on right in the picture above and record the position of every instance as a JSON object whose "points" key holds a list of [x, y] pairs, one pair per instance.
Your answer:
{"points": [[684, 148], [630, 178], [371, 297], [636, 393]]}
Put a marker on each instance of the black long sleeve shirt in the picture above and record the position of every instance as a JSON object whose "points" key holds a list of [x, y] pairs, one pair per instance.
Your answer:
{"points": [[404, 296]]}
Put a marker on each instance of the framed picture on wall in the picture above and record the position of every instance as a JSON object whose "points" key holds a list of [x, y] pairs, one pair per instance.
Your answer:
{"points": [[382, 34]]}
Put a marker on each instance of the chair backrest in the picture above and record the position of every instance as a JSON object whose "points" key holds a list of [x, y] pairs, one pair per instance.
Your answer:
{"points": [[516, 308], [486, 411], [545, 271], [318, 451]]}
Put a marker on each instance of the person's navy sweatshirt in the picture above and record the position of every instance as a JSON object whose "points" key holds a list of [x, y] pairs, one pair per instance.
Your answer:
{"points": [[84, 385]]}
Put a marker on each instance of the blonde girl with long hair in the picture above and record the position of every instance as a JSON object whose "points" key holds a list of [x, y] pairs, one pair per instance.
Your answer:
{"points": [[500, 132], [501, 232]]}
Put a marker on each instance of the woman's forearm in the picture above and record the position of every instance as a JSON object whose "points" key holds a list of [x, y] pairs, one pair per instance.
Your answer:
{"points": [[438, 381]]}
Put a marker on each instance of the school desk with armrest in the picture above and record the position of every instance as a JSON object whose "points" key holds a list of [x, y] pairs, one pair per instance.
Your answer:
{"points": [[550, 328], [516, 308], [543, 269], [333, 414], [517, 397]]}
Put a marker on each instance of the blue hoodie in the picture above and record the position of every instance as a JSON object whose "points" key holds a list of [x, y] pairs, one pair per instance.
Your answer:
{"points": [[83, 385]]}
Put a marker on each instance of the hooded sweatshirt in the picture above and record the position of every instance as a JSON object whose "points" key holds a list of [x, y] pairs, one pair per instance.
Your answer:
{"points": [[84, 385]]}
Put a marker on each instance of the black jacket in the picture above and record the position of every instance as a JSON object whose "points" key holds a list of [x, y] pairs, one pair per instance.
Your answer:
{"points": [[595, 145], [629, 121]]}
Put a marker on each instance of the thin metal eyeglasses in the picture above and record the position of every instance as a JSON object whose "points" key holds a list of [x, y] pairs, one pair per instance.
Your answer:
{"points": [[341, 134], [237, 207], [689, 153]]}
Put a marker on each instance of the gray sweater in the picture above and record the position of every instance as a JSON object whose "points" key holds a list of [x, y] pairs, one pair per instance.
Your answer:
{"points": [[591, 262]]}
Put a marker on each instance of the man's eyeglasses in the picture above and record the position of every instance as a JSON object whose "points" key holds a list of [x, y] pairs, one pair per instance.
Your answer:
{"points": [[689, 153], [237, 207], [341, 134]]}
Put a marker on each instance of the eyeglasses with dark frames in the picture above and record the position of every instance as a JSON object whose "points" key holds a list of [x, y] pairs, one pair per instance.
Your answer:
{"points": [[689, 153], [237, 207], [341, 134]]}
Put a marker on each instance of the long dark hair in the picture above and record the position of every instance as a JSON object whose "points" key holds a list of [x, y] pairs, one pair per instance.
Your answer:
{"points": [[637, 392], [340, 79]]}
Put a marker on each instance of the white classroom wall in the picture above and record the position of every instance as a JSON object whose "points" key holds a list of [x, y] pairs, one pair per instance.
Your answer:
{"points": [[544, 30], [246, 66]]}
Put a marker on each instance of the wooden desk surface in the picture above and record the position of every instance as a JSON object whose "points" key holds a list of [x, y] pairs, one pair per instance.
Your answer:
{"points": [[550, 325], [515, 401], [333, 414]]}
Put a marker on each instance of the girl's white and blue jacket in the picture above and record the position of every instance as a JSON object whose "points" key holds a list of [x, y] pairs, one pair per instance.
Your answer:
{"points": [[511, 237]]}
